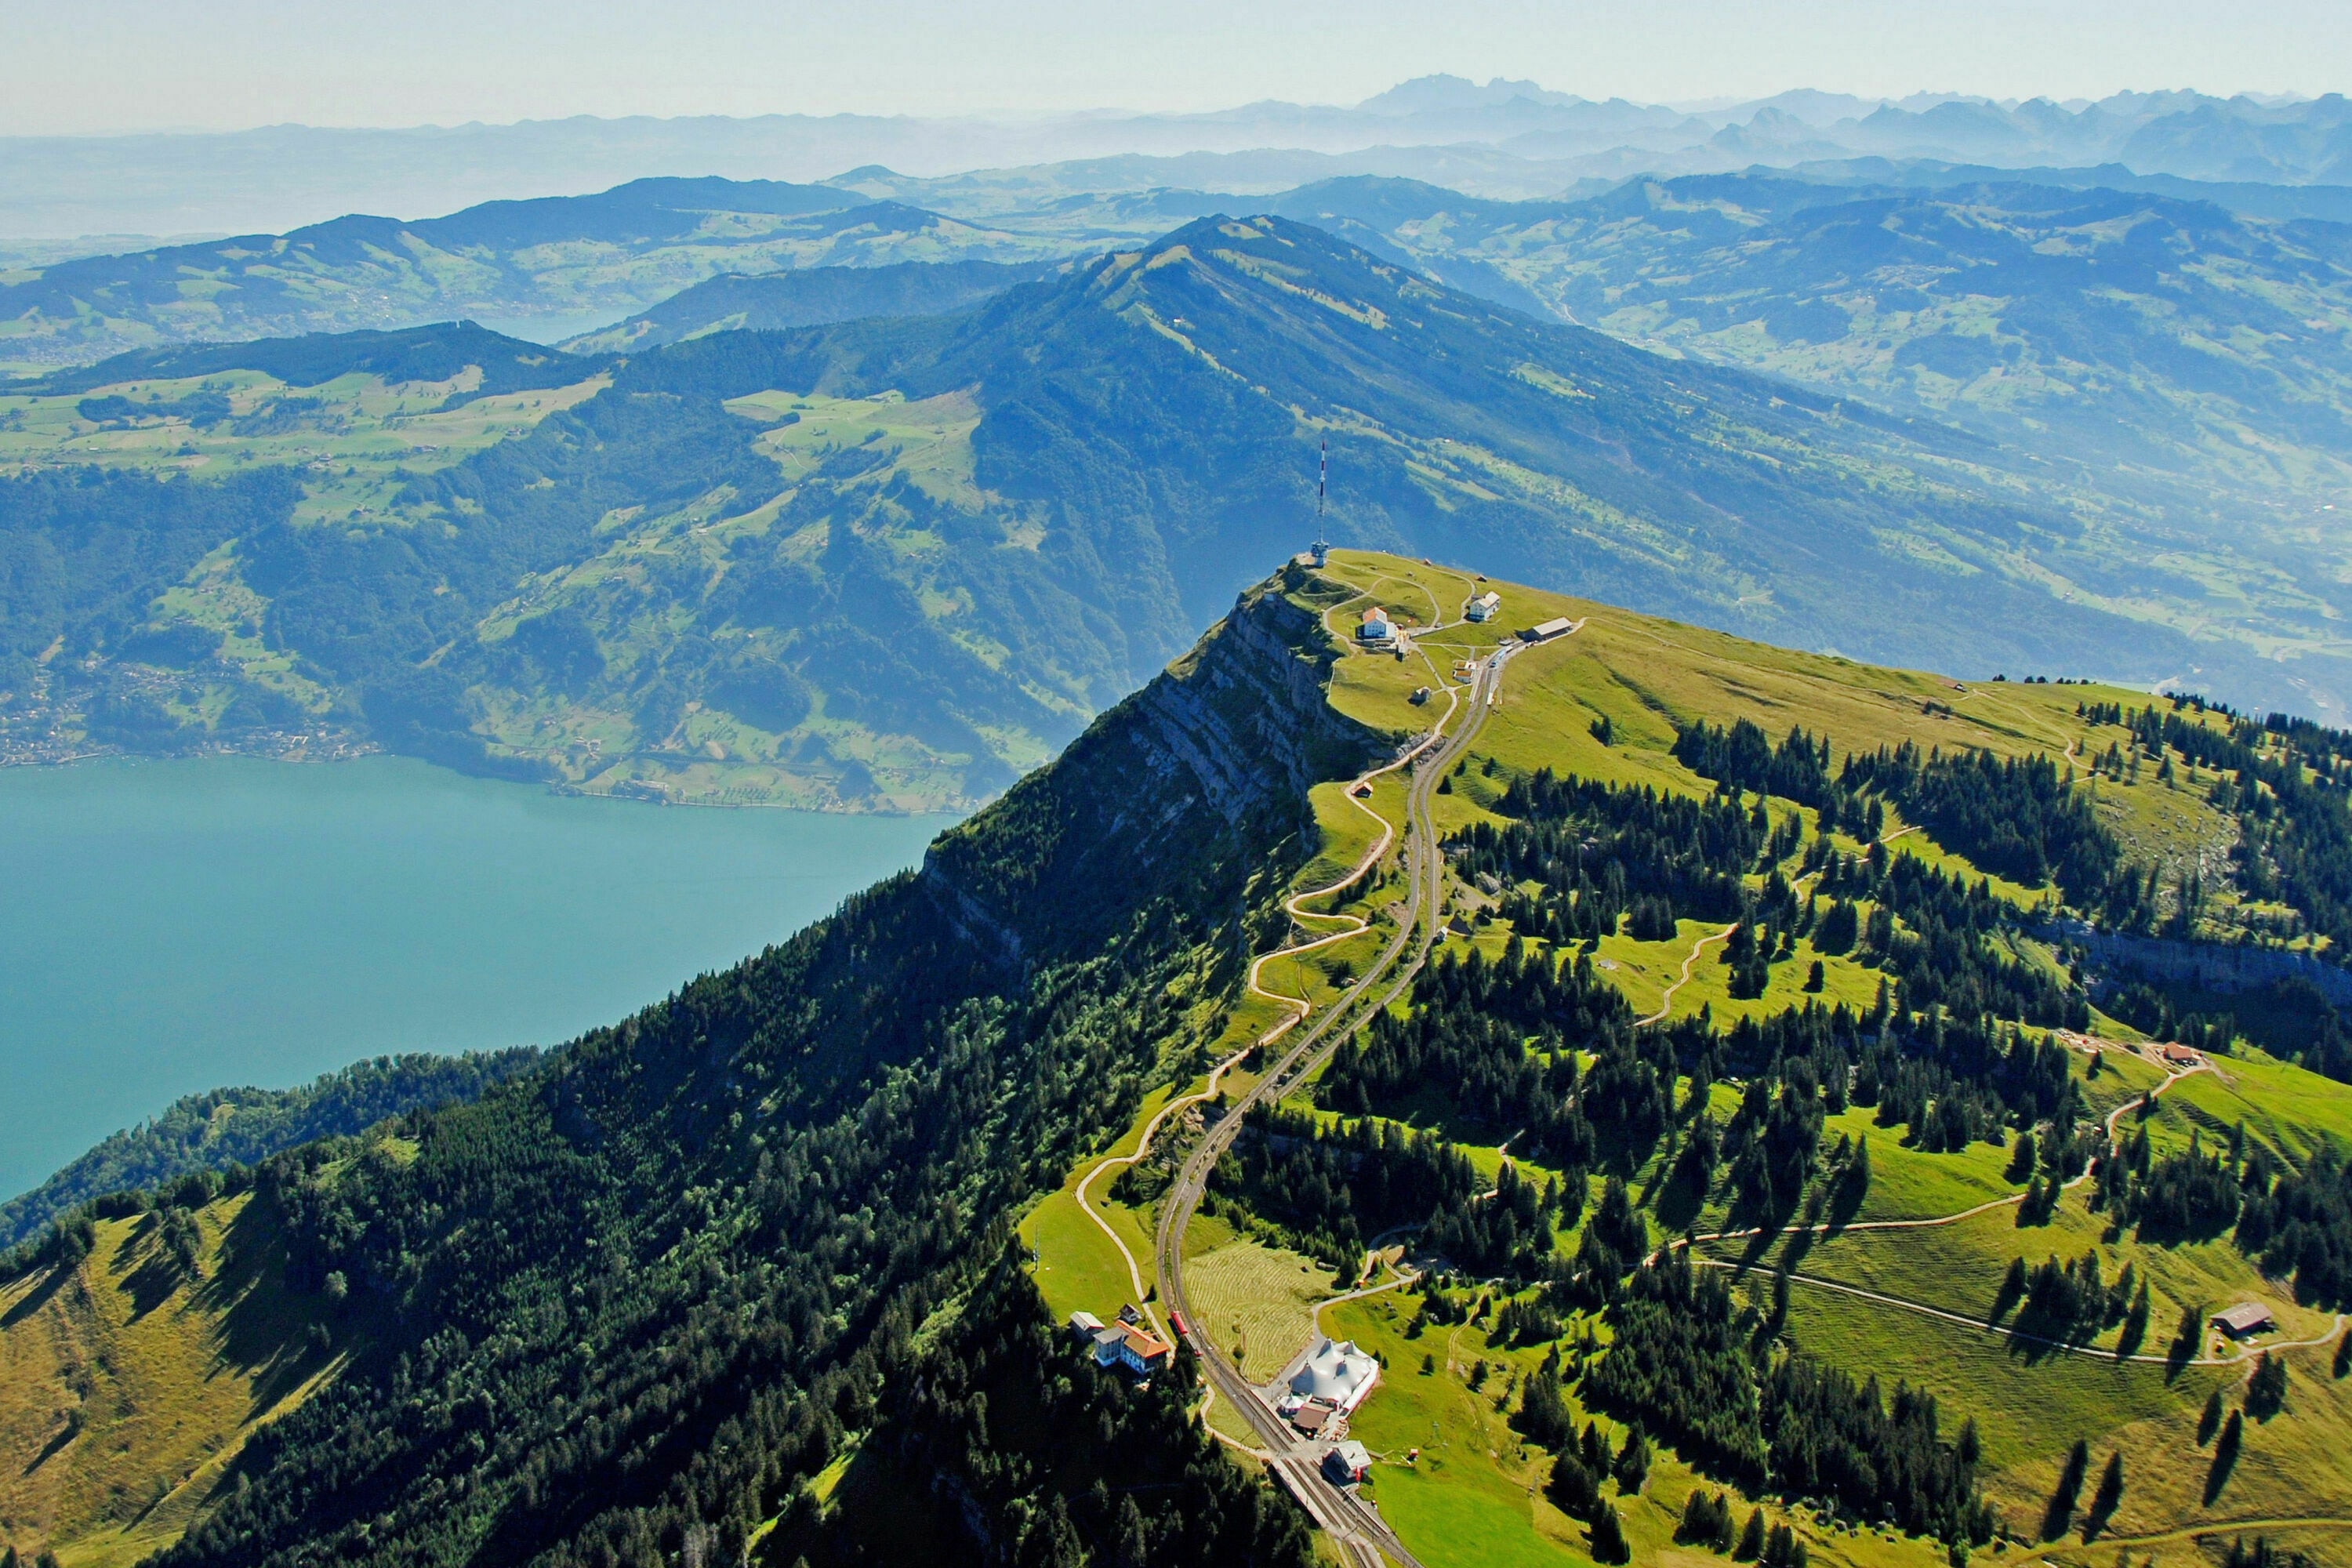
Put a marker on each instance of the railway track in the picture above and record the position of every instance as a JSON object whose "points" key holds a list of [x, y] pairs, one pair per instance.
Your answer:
{"points": [[1354, 1523]]}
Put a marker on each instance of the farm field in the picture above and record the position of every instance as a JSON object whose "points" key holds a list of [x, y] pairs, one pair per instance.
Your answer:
{"points": [[354, 439], [1258, 1301]]}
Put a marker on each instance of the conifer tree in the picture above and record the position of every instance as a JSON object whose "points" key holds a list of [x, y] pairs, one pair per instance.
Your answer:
{"points": [[1594, 1449], [1609, 1544], [1633, 1462], [1573, 1490], [1751, 1539]]}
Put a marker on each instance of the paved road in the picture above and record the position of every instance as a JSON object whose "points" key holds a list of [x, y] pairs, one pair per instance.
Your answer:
{"points": [[1361, 1532]]}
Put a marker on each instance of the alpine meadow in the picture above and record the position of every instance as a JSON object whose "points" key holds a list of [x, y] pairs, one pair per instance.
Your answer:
{"points": [[1646, 811]]}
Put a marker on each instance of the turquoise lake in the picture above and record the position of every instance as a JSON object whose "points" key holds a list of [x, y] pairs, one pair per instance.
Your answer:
{"points": [[167, 927]]}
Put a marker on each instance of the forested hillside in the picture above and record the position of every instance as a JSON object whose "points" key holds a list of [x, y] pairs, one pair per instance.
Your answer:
{"points": [[1756, 1167], [644, 1293], [228, 1127], [1753, 1167]]}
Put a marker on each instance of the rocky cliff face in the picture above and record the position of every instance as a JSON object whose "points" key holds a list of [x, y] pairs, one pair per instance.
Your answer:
{"points": [[1173, 799]]}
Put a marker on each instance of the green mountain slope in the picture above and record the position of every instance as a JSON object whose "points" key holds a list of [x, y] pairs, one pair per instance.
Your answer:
{"points": [[894, 563], [692, 1246], [2173, 369], [2163, 328], [132, 1375], [734, 1275]]}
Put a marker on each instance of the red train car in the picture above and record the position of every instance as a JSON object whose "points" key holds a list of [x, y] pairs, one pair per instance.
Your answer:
{"points": [[1176, 1321]]}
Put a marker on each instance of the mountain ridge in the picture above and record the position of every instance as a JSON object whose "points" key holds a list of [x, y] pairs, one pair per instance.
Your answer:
{"points": [[618, 251], [787, 1195], [903, 560], [809, 297], [1532, 142]]}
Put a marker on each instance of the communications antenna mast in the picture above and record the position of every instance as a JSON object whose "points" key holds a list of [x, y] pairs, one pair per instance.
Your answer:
{"points": [[1321, 548]]}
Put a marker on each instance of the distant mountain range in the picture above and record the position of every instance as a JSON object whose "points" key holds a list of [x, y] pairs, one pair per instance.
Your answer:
{"points": [[894, 562], [2168, 342], [810, 297], [1502, 138], [615, 252]]}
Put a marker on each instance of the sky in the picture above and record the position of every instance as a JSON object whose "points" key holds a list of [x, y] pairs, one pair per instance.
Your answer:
{"points": [[150, 65]]}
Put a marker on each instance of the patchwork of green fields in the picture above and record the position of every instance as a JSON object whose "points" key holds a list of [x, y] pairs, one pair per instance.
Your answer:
{"points": [[355, 440], [357, 444]]}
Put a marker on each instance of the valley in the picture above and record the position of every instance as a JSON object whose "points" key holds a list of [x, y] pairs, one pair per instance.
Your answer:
{"points": [[2134, 384]]}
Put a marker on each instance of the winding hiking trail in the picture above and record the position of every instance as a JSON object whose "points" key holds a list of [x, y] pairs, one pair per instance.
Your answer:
{"points": [[1142, 1148], [1298, 1008], [1397, 1281], [1831, 1228], [2245, 1353], [2241, 1355], [2216, 1527], [1666, 998], [1353, 1522]]}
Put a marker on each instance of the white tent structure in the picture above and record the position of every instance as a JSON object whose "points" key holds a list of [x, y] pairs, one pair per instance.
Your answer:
{"points": [[1338, 1371]]}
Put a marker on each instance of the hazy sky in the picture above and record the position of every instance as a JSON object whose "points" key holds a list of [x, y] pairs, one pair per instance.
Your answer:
{"points": [[223, 64]]}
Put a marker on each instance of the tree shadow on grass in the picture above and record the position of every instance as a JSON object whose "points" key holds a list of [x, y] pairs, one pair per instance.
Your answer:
{"points": [[38, 1296], [2035, 1337], [1845, 1202], [1679, 1203], [148, 1273], [66, 1434], [263, 1325], [2225, 1460], [2179, 1354]]}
